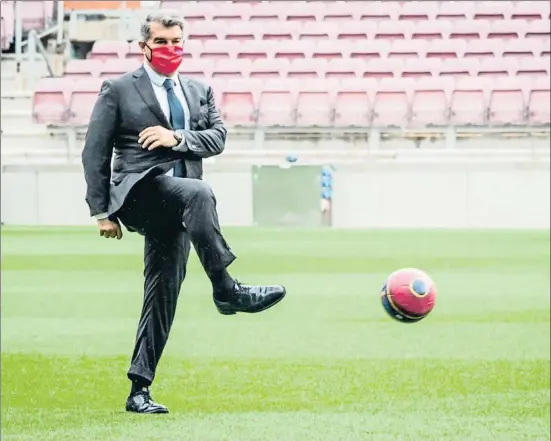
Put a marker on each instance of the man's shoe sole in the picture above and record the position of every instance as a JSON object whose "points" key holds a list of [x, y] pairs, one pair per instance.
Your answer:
{"points": [[226, 309]]}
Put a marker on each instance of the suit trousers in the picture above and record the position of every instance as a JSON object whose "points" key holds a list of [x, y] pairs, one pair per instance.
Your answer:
{"points": [[170, 213]]}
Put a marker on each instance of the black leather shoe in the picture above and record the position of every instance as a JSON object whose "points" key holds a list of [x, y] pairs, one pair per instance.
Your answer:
{"points": [[250, 299], [141, 402]]}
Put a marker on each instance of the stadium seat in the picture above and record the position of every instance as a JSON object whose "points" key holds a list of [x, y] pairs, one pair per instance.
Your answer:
{"points": [[269, 68], [522, 48], [378, 11], [458, 67], [229, 12], [422, 67], [456, 11], [492, 10], [8, 24], [276, 105], [356, 30], [76, 69], [284, 30], [50, 101], [340, 12], [107, 50], [468, 101], [407, 49], [498, 67], [217, 49], [481, 49], [418, 10], [254, 50], [193, 49], [238, 102], [314, 103], [430, 102], [431, 30], [383, 68], [531, 10], [224, 68], [391, 102], [307, 68], [394, 30], [533, 67], [292, 50], [539, 109], [331, 49], [116, 68], [135, 51], [344, 69], [545, 49], [470, 30], [369, 49], [195, 11], [83, 99], [205, 30], [507, 29], [271, 11], [199, 69], [305, 11], [352, 102], [35, 14], [538, 29], [506, 102], [318, 31], [446, 49]]}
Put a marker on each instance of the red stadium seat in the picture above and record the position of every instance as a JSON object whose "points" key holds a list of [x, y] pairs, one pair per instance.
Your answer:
{"points": [[539, 102], [82, 68], [331, 49], [507, 29], [217, 49], [506, 102], [368, 50], [498, 67], [271, 11], [459, 67], [205, 30], [460, 11], [356, 31], [242, 30], [432, 30], [422, 67], [408, 49], [533, 67], [269, 68], [135, 51], [383, 68], [391, 102], [468, 101], [307, 68], [116, 68], [492, 10], [352, 103], [446, 49], [314, 103], [418, 10], [83, 99], [304, 12], [531, 10], [50, 101], [238, 102], [105, 50], [199, 69], [430, 102], [318, 31], [277, 103], [545, 49], [481, 49], [539, 29], [224, 68], [520, 48], [378, 11], [279, 30], [231, 11], [254, 50], [344, 69], [293, 50], [197, 11], [341, 12], [394, 30], [470, 30], [193, 49]]}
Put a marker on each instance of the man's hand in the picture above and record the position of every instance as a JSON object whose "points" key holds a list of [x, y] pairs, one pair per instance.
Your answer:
{"points": [[157, 136], [109, 229]]}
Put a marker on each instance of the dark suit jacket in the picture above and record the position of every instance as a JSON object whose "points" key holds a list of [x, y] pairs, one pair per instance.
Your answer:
{"points": [[127, 105]]}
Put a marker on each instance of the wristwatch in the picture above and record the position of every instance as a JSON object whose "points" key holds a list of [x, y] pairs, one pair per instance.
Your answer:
{"points": [[178, 136]]}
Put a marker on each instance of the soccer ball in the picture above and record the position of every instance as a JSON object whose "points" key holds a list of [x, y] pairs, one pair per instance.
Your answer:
{"points": [[408, 295]]}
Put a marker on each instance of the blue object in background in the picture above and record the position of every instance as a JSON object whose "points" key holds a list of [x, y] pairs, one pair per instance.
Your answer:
{"points": [[291, 158], [326, 182], [327, 193]]}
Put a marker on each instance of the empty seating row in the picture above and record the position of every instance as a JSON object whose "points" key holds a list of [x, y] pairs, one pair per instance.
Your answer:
{"points": [[252, 49], [363, 102], [323, 68], [34, 15], [373, 10]]}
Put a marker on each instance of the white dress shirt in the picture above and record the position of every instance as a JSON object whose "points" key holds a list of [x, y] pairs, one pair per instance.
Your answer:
{"points": [[157, 82]]}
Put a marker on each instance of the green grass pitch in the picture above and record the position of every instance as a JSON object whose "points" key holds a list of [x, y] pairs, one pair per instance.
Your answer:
{"points": [[325, 364]]}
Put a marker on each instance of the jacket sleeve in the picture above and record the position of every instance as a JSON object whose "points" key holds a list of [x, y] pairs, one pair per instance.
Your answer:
{"points": [[98, 149], [209, 142]]}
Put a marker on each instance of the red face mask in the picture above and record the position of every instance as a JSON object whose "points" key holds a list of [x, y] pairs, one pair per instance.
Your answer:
{"points": [[166, 59]]}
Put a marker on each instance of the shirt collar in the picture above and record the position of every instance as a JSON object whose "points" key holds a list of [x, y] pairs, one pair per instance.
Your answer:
{"points": [[156, 78]]}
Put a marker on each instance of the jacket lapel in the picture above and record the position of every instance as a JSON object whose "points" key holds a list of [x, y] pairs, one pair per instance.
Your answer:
{"points": [[192, 100], [143, 85]]}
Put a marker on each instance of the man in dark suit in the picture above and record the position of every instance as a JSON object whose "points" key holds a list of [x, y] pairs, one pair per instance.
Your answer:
{"points": [[160, 125]]}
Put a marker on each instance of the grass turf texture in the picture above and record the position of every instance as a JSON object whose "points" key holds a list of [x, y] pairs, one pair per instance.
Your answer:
{"points": [[325, 364]]}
